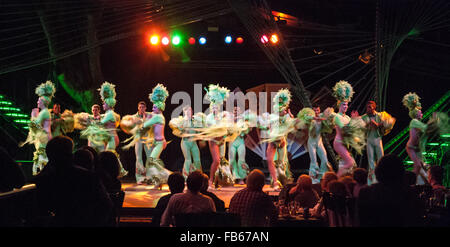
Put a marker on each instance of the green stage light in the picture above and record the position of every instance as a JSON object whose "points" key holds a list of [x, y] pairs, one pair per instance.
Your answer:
{"points": [[176, 40], [3, 102]]}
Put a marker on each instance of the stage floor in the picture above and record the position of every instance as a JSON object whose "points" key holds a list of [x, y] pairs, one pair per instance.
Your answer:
{"points": [[144, 196]]}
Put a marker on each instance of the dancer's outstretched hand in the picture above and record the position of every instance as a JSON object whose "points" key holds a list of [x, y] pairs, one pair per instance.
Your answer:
{"points": [[355, 114]]}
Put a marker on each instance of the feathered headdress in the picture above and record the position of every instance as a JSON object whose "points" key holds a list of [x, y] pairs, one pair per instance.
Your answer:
{"points": [[281, 100], [46, 91], [411, 101], [158, 96], [217, 94], [108, 93], [343, 91]]}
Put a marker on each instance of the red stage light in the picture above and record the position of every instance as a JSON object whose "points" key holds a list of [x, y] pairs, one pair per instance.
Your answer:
{"points": [[191, 41], [264, 39], [239, 40], [165, 40]]}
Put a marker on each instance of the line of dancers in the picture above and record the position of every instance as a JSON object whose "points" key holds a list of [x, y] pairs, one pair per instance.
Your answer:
{"points": [[218, 127]]}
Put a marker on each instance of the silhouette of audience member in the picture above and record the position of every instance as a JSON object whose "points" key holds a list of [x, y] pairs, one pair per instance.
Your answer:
{"points": [[303, 192], [11, 175], [360, 176], [254, 207], [84, 158], [390, 202], [349, 183], [75, 196], [220, 204], [176, 185], [94, 154], [108, 170], [319, 209], [436, 178], [410, 178], [192, 201]]}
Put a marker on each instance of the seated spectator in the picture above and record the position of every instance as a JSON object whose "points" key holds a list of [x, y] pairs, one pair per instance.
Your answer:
{"points": [[349, 183], [11, 175], [75, 196], [84, 158], [220, 204], [192, 201], [176, 185], [360, 177], [410, 178], [338, 188], [254, 207], [94, 154], [303, 192], [108, 170], [319, 210], [390, 202], [436, 177]]}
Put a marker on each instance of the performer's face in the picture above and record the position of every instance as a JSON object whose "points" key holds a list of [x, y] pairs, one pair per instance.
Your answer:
{"points": [[142, 108], [105, 106], [95, 110], [41, 103], [156, 109], [316, 111], [343, 107], [370, 108]]}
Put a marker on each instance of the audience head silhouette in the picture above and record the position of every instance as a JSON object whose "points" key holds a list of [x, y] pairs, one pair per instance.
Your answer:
{"points": [[176, 182], [304, 182], [109, 163], [360, 175], [83, 158], [255, 180], [59, 149], [195, 181], [390, 170]]}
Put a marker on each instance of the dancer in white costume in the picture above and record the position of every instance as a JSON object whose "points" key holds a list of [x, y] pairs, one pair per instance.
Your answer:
{"points": [[236, 149], [349, 131], [40, 126], [315, 124], [153, 128], [187, 124], [378, 124], [127, 123]]}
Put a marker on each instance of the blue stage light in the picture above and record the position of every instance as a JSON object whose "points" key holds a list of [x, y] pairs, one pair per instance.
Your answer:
{"points": [[228, 39], [202, 40]]}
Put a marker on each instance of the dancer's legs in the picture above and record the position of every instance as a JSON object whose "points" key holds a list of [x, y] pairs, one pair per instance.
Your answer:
{"points": [[271, 150], [140, 169], [346, 157], [215, 155], [185, 148]]}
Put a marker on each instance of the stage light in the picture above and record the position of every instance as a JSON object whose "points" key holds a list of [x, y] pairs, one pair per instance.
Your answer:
{"points": [[228, 39], [239, 40], [202, 40], [191, 41], [264, 39], [165, 40], [154, 40], [274, 38], [176, 40]]}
